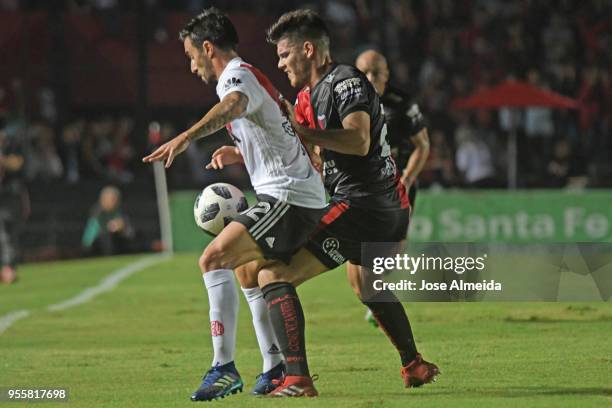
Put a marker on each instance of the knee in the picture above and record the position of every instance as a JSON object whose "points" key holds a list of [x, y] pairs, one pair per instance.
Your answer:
{"points": [[267, 276], [213, 257], [247, 275]]}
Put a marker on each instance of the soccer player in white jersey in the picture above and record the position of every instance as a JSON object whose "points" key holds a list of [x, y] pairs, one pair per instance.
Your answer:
{"points": [[290, 193]]}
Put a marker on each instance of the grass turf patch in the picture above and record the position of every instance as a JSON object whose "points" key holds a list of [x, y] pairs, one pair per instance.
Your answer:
{"points": [[147, 343]]}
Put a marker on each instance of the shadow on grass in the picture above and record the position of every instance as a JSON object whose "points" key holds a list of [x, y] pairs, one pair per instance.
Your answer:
{"points": [[515, 392], [544, 319]]}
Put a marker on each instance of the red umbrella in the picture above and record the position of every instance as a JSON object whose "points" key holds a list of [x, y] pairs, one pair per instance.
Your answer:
{"points": [[514, 94]]}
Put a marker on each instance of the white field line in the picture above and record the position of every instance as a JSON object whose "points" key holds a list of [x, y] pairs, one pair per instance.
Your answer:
{"points": [[7, 320], [107, 284]]}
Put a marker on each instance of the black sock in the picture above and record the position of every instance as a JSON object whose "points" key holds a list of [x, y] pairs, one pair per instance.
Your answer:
{"points": [[287, 319], [392, 318]]}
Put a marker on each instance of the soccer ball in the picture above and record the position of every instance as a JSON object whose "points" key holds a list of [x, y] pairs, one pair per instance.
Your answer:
{"points": [[217, 205]]}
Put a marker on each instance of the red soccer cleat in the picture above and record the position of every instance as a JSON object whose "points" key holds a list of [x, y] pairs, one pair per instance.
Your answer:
{"points": [[419, 372], [295, 386]]}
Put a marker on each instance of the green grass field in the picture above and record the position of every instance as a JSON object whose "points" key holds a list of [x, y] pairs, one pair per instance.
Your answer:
{"points": [[146, 343]]}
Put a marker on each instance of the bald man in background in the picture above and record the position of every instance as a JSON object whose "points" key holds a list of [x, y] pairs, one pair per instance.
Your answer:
{"points": [[407, 133]]}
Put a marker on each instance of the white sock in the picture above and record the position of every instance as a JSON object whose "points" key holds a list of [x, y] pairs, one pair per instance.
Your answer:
{"points": [[268, 345], [223, 301]]}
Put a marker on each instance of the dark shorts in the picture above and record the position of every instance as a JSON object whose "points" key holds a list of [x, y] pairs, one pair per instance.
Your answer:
{"points": [[280, 229], [343, 229]]}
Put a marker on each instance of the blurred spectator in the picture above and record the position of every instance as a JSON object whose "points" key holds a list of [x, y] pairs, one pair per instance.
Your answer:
{"points": [[122, 152], [108, 230], [565, 169], [14, 206], [47, 106], [71, 138], [438, 171], [43, 163], [474, 160], [97, 146], [539, 128], [107, 150], [558, 169]]}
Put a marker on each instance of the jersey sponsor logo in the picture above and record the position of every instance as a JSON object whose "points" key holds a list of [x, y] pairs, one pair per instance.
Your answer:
{"points": [[216, 328], [329, 167], [348, 89], [331, 247], [230, 83]]}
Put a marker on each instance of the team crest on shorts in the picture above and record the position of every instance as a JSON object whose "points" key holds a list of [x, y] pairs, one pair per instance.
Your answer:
{"points": [[331, 247]]}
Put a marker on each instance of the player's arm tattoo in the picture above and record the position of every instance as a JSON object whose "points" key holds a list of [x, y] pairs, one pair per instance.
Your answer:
{"points": [[231, 107]]}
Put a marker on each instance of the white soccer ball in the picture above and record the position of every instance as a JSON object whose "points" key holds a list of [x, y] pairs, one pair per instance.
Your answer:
{"points": [[217, 205]]}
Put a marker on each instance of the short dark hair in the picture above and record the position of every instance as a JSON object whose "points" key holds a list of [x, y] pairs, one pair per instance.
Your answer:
{"points": [[299, 25], [211, 25]]}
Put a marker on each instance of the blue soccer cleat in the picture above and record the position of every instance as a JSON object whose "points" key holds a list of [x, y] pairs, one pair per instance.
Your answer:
{"points": [[269, 380], [218, 382]]}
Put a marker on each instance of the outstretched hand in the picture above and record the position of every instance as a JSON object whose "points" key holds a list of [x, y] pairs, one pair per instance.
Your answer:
{"points": [[169, 150]]}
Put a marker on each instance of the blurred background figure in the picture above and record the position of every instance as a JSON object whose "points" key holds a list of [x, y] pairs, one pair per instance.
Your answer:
{"points": [[407, 132], [108, 230], [565, 169], [474, 160], [71, 138], [13, 204], [44, 163]]}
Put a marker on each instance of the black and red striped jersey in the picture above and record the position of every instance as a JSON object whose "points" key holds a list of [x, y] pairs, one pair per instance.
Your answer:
{"points": [[370, 181]]}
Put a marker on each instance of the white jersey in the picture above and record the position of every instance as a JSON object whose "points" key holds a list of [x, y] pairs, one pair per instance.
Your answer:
{"points": [[274, 156]]}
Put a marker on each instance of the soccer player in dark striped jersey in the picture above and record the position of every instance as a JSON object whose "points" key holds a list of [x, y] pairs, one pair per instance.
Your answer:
{"points": [[407, 130], [339, 111]]}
